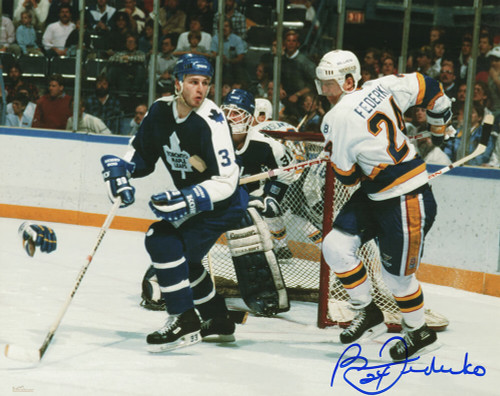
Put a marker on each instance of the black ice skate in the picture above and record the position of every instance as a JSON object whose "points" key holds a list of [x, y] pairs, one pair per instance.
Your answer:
{"points": [[368, 322], [218, 329], [179, 331], [421, 340]]}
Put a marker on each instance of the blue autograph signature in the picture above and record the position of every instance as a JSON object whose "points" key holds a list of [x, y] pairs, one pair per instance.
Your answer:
{"points": [[378, 379]]}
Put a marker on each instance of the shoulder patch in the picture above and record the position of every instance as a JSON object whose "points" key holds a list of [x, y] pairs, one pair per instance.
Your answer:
{"points": [[216, 116]]}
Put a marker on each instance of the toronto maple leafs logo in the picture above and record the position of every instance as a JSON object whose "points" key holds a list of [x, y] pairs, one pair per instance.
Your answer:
{"points": [[216, 116], [177, 158]]}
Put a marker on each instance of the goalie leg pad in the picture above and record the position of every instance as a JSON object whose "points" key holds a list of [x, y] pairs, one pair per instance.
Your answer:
{"points": [[260, 280]]}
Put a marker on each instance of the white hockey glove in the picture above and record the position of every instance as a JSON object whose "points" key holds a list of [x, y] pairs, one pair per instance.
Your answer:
{"points": [[267, 207], [438, 123]]}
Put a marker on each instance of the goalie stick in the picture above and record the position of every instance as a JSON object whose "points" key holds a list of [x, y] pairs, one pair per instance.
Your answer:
{"points": [[16, 352], [480, 149]]}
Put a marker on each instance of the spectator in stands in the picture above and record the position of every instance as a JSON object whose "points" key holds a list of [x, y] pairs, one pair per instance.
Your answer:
{"points": [[234, 51], [126, 70], [55, 36], [424, 62], [313, 113], [166, 60], [460, 99], [263, 75], [452, 147], [464, 56], [482, 96], [116, 37], [55, 7], [204, 13], [137, 16], [19, 118], [284, 112], [438, 48], [87, 123], [100, 17], [297, 71], [72, 41], [7, 35], [194, 46], [372, 57], [53, 109], [29, 111], [38, 9], [14, 82], [448, 79], [389, 66], [436, 33], [483, 64], [238, 20], [145, 42], [139, 113], [105, 106], [172, 19], [194, 27], [26, 35], [310, 11], [494, 80], [368, 72]]}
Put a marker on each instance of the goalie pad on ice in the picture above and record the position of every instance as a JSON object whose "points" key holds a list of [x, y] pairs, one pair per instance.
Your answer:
{"points": [[260, 281]]}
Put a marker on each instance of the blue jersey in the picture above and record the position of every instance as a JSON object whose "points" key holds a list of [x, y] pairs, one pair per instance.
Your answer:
{"points": [[203, 134]]}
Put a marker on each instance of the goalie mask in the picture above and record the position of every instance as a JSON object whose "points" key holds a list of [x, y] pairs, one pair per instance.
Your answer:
{"points": [[239, 107], [337, 65]]}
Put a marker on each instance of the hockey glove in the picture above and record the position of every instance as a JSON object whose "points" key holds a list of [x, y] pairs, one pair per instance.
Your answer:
{"points": [[175, 205], [438, 123], [267, 207], [34, 235], [116, 174]]}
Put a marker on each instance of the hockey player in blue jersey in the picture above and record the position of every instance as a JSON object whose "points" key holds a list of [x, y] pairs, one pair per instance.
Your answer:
{"points": [[364, 135], [192, 137]]}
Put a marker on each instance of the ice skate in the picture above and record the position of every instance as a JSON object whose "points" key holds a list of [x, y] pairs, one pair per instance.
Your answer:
{"points": [[421, 340], [179, 331], [368, 322], [218, 329]]}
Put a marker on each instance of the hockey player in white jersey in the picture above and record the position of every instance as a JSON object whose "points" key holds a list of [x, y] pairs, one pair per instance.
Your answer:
{"points": [[365, 139], [192, 137]]}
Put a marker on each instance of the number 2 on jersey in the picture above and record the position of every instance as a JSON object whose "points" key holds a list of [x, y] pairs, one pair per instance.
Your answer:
{"points": [[375, 127]]}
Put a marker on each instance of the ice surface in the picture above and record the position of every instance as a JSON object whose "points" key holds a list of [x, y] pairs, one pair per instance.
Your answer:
{"points": [[99, 348]]}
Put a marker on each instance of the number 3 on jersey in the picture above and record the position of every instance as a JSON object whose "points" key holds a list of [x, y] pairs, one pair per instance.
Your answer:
{"points": [[375, 126], [226, 161]]}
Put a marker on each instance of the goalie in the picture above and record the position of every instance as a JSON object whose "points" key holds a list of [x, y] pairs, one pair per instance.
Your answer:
{"points": [[259, 277]]}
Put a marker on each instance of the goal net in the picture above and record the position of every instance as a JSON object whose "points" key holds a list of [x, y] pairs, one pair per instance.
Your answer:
{"points": [[309, 207]]}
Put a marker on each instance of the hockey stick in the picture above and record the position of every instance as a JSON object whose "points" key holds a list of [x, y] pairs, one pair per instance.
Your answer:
{"points": [[16, 352], [480, 149], [279, 171]]}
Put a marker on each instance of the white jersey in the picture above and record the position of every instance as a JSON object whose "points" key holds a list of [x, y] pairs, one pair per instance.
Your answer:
{"points": [[365, 133]]}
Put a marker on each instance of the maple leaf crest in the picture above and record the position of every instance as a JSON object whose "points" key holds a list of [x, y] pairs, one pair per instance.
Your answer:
{"points": [[216, 116]]}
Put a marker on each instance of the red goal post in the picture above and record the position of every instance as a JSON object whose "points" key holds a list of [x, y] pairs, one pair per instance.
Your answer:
{"points": [[309, 207]]}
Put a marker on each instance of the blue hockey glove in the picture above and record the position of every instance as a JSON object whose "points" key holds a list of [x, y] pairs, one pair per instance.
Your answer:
{"points": [[34, 235], [175, 205], [116, 174], [267, 207]]}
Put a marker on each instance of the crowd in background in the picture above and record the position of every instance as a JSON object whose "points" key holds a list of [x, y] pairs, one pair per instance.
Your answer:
{"points": [[120, 34]]}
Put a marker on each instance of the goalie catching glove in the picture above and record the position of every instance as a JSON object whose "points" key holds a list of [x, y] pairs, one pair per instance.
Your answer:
{"points": [[116, 174], [175, 205], [34, 235]]}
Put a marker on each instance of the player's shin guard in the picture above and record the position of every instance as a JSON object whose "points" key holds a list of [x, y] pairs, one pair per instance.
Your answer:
{"points": [[259, 277]]}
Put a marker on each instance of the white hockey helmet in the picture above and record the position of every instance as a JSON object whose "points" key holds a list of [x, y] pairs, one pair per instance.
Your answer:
{"points": [[337, 65], [263, 105]]}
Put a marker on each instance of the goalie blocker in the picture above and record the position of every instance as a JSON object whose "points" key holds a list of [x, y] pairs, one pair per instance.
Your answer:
{"points": [[260, 281]]}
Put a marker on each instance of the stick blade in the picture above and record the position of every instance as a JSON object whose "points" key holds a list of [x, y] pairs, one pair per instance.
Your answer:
{"points": [[21, 354]]}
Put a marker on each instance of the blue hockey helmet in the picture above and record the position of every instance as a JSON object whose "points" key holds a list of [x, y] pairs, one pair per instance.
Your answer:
{"points": [[193, 64], [239, 107]]}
